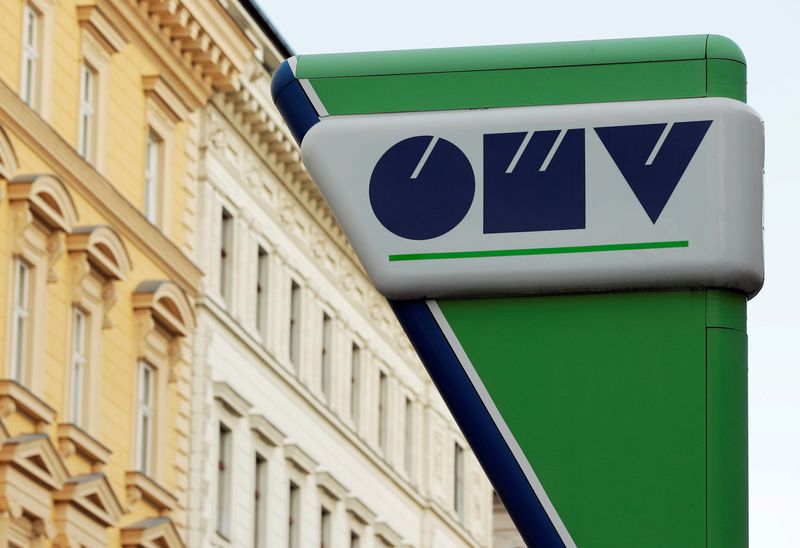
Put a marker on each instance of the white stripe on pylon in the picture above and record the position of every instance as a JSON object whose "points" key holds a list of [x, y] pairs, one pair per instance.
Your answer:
{"points": [[516, 450]]}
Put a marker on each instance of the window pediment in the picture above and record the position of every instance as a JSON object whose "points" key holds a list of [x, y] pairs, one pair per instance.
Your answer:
{"points": [[267, 431], [35, 456], [230, 398], [46, 198], [93, 495], [331, 485], [142, 487], [16, 398], [104, 250], [151, 532], [385, 532], [299, 458], [94, 20], [167, 305], [357, 508]]}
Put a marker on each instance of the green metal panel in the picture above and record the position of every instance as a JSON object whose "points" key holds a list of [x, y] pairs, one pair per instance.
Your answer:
{"points": [[727, 438], [525, 75], [508, 88], [606, 395]]}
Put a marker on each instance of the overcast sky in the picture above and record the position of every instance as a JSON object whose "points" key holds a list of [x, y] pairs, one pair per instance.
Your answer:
{"points": [[766, 30]]}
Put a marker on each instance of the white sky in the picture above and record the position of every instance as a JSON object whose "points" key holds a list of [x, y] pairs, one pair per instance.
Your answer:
{"points": [[766, 30]]}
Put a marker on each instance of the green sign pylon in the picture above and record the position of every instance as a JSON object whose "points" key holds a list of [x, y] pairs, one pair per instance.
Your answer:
{"points": [[569, 234]]}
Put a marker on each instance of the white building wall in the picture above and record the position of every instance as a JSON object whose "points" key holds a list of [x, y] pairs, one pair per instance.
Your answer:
{"points": [[239, 374]]}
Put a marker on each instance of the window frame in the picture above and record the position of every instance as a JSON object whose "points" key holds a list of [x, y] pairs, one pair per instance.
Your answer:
{"points": [[356, 382], [261, 468], [153, 176], [224, 481], [227, 237], [326, 357], [30, 72], [383, 412], [21, 317], [458, 480], [295, 323], [262, 293], [295, 514], [146, 413], [79, 363], [87, 112]]}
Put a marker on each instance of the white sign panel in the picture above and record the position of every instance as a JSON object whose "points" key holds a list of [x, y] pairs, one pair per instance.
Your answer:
{"points": [[634, 195]]}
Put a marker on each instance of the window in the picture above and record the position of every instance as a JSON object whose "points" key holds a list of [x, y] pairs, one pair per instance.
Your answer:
{"points": [[383, 412], [355, 383], [262, 279], [325, 371], [294, 515], [294, 325], [31, 56], [145, 411], [153, 176], [225, 248], [325, 528], [86, 113], [409, 435], [260, 503], [224, 470], [355, 540], [77, 392], [458, 480], [20, 326]]}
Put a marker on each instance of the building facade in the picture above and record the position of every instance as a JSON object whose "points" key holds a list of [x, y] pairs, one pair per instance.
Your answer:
{"points": [[314, 423], [99, 112], [191, 353]]}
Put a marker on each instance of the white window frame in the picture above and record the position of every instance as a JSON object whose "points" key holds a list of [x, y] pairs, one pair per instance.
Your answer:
{"points": [[145, 417], [356, 375], [383, 411], [260, 499], [262, 291], [408, 437], [294, 516], [78, 365], [295, 319], [226, 240], [326, 358], [87, 112], [20, 330], [458, 480], [325, 526], [153, 176], [30, 74], [224, 479]]}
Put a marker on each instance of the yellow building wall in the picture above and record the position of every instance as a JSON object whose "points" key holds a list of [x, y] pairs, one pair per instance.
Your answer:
{"points": [[124, 131]]}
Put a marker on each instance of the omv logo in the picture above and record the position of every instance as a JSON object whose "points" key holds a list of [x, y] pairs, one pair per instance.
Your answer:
{"points": [[423, 186]]}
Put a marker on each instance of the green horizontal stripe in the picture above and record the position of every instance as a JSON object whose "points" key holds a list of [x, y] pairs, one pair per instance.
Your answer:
{"points": [[535, 251]]}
